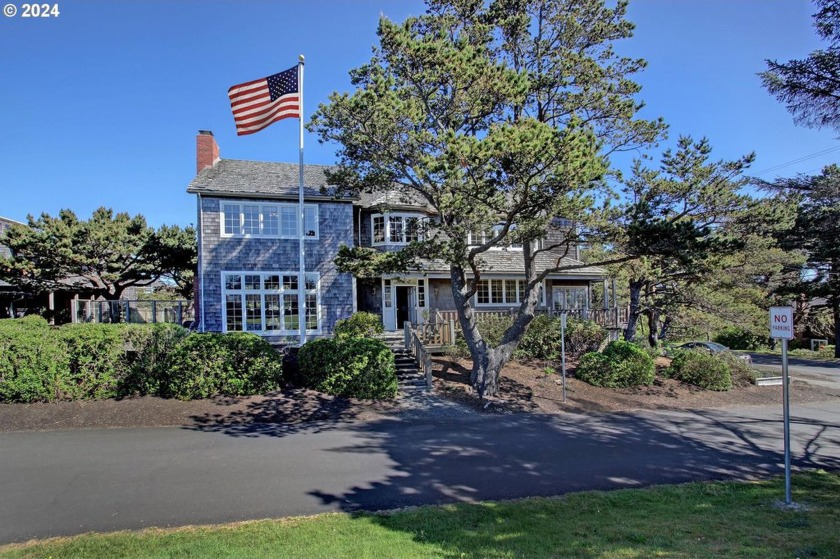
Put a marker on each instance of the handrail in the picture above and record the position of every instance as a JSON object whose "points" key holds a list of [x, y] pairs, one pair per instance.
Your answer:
{"points": [[414, 345]]}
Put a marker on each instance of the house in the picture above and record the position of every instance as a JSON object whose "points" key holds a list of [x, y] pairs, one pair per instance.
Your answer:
{"points": [[248, 254]]}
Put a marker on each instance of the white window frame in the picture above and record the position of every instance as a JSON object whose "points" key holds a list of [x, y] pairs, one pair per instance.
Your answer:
{"points": [[565, 289], [473, 240], [262, 292], [386, 217], [263, 210], [520, 289]]}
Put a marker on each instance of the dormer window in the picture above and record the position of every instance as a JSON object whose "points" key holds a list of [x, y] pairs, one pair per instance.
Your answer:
{"points": [[476, 238], [395, 229]]}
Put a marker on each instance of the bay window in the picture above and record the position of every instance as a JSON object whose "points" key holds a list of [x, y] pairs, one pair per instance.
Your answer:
{"points": [[395, 229]]}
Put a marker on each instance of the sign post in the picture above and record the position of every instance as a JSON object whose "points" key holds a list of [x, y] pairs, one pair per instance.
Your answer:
{"points": [[563, 351], [781, 327]]}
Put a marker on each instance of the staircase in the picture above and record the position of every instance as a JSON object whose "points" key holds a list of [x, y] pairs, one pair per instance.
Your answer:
{"points": [[409, 378]]}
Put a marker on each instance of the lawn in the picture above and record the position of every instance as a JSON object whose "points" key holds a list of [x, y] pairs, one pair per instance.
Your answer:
{"points": [[716, 519]]}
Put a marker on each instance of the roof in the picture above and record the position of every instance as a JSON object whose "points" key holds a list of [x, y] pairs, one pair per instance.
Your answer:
{"points": [[262, 179], [398, 198], [499, 262]]}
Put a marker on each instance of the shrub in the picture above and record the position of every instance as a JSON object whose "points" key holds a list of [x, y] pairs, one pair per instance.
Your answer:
{"points": [[96, 360], [233, 364], [149, 352], [622, 365], [542, 340], [701, 369], [351, 367], [735, 337], [583, 336], [493, 326], [32, 361], [360, 325]]}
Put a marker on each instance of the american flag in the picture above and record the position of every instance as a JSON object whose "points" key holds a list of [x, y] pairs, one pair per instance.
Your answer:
{"points": [[257, 104]]}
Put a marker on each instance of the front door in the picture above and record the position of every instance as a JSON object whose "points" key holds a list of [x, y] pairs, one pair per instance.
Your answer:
{"points": [[404, 304]]}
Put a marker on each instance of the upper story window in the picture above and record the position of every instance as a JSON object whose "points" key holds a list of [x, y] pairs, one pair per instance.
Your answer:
{"points": [[476, 238], [268, 220], [395, 229]]}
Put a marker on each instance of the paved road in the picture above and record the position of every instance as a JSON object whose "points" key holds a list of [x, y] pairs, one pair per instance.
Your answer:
{"points": [[62, 483], [819, 373]]}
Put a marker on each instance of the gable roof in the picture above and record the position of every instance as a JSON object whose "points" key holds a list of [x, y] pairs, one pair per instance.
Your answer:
{"points": [[262, 179]]}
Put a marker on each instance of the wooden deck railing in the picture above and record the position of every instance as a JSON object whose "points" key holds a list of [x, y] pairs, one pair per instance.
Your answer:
{"points": [[608, 318]]}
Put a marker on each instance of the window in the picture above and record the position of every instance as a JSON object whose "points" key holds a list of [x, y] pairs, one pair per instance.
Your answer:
{"points": [[268, 220], [386, 292], [421, 293], [569, 298], [476, 238], [267, 302], [396, 229], [503, 292], [378, 229]]}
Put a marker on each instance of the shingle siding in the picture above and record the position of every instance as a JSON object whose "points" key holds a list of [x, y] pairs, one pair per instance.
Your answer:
{"points": [[219, 254]]}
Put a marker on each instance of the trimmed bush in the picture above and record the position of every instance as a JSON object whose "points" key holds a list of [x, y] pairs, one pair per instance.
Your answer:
{"points": [[149, 350], [33, 361], [360, 325], [701, 369], [622, 365], [350, 367], [735, 337], [95, 359], [233, 364]]}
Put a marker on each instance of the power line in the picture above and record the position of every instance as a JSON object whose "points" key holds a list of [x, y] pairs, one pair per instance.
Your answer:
{"points": [[798, 160]]}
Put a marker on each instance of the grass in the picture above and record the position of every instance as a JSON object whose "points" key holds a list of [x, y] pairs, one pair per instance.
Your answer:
{"points": [[717, 519]]}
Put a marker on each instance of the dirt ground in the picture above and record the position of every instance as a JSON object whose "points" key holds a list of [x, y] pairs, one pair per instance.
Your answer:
{"points": [[528, 387], [525, 388]]}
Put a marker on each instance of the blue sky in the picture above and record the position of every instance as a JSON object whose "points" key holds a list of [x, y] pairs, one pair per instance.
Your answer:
{"points": [[101, 105]]}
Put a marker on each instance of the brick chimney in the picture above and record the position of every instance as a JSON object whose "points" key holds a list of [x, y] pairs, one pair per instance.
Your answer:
{"points": [[206, 150]]}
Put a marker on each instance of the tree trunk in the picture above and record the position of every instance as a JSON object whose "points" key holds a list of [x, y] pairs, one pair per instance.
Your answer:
{"points": [[635, 310], [488, 362], [653, 327]]}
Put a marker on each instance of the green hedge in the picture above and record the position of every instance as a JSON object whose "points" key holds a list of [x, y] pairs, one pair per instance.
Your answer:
{"points": [[702, 369], [94, 361], [233, 364], [33, 361], [360, 325], [622, 365], [350, 367]]}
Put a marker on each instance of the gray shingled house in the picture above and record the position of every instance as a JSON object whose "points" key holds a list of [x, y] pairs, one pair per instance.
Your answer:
{"points": [[248, 254]]}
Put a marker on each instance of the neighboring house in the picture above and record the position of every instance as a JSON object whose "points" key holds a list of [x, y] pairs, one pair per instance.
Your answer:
{"points": [[248, 254], [11, 297]]}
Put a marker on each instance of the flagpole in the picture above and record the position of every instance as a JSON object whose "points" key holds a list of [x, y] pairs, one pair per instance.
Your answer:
{"points": [[302, 277]]}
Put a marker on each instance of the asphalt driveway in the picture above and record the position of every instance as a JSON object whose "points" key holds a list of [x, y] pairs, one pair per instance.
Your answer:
{"points": [[69, 482]]}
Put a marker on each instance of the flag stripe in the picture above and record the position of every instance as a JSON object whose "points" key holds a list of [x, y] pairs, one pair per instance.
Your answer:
{"points": [[251, 112], [258, 103]]}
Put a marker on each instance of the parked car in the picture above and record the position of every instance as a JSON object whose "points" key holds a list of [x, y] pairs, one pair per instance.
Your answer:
{"points": [[714, 348]]}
